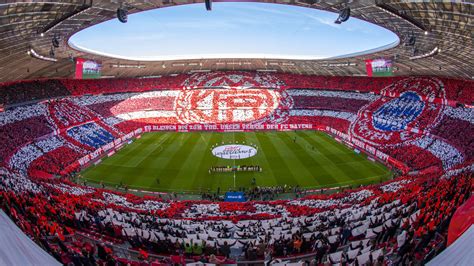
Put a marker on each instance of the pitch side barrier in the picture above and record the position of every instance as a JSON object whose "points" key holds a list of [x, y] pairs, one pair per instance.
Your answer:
{"points": [[117, 144], [234, 127], [371, 151], [108, 149]]}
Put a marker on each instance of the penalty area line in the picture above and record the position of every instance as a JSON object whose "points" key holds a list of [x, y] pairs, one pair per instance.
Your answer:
{"points": [[159, 148]]}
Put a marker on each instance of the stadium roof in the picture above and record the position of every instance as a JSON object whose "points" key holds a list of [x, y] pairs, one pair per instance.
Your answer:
{"points": [[446, 50]]}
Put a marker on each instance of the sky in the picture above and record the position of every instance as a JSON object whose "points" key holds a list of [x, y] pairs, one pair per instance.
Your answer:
{"points": [[232, 30]]}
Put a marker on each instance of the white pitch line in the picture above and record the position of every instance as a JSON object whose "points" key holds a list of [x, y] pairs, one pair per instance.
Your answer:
{"points": [[159, 146]]}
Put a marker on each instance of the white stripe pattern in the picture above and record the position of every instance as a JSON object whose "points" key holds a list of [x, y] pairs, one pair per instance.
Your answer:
{"points": [[334, 94], [314, 112]]}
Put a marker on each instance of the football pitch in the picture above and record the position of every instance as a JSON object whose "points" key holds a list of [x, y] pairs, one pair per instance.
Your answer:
{"points": [[180, 162]]}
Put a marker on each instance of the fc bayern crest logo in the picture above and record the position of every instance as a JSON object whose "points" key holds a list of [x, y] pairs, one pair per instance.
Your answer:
{"points": [[209, 106], [403, 114]]}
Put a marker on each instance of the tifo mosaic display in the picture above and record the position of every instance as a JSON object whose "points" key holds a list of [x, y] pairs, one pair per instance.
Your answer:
{"points": [[407, 117], [419, 123]]}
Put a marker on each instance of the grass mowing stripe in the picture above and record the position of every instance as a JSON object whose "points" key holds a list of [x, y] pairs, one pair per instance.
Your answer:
{"points": [[300, 158], [184, 159], [150, 168], [262, 160], [278, 163], [189, 166], [310, 158], [314, 140], [150, 149], [356, 167], [145, 175], [326, 148], [348, 170], [158, 157], [207, 181], [368, 166], [174, 164], [115, 169], [325, 164], [122, 158]]}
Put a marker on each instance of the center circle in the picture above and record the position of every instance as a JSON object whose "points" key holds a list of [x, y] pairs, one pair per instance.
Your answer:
{"points": [[234, 151]]}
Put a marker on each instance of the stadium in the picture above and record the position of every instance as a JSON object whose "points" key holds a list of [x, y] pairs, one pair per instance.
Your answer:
{"points": [[208, 133]]}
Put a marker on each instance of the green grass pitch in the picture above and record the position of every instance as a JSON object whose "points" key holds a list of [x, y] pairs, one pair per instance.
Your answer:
{"points": [[181, 162]]}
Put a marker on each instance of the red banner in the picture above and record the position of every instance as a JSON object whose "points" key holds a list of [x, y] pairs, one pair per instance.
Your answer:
{"points": [[233, 127]]}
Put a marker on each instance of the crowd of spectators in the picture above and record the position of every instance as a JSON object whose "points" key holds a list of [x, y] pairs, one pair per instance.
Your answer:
{"points": [[66, 114], [459, 90], [456, 90], [448, 155], [26, 91], [55, 162], [91, 134], [103, 86], [233, 79], [257, 193], [415, 157], [400, 221], [87, 122], [268, 193], [14, 135], [359, 84], [115, 104], [330, 100], [454, 130]]}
